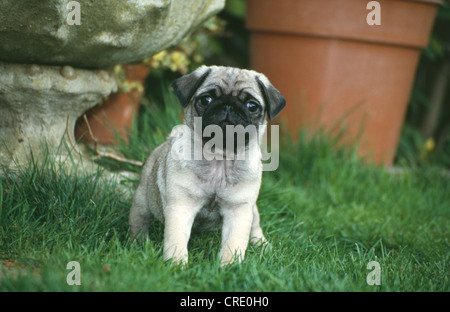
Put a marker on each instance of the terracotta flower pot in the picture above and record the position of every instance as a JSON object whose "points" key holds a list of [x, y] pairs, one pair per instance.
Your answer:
{"points": [[115, 115], [338, 72]]}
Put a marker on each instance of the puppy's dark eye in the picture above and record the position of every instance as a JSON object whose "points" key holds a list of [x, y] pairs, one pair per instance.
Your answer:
{"points": [[253, 107], [206, 100]]}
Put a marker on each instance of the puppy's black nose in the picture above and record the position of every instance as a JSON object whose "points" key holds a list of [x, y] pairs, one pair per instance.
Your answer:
{"points": [[227, 109]]}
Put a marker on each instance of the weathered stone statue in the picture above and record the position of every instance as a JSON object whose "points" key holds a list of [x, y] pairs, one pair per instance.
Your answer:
{"points": [[52, 68]]}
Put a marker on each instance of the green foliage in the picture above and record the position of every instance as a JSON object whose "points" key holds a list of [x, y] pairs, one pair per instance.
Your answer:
{"points": [[439, 45], [429, 71]]}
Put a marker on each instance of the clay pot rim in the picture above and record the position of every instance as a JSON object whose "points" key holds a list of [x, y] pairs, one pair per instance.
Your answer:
{"points": [[431, 2], [256, 25], [341, 38]]}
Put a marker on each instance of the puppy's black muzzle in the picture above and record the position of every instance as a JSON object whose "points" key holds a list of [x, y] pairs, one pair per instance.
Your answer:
{"points": [[226, 110]]}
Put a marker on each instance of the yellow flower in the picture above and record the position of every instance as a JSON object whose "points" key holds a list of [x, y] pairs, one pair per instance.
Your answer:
{"points": [[429, 144], [117, 68], [128, 86], [159, 56]]}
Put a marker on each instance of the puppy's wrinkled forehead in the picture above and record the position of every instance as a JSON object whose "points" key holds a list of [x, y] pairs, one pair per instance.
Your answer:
{"points": [[217, 81], [234, 82]]}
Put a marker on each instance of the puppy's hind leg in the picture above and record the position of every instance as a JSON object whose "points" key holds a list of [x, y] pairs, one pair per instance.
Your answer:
{"points": [[140, 217]]}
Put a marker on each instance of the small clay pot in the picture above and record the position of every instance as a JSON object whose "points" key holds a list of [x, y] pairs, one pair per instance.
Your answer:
{"points": [[115, 115]]}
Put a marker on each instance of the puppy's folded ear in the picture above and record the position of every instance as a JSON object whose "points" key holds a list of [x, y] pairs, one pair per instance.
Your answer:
{"points": [[275, 101], [186, 86]]}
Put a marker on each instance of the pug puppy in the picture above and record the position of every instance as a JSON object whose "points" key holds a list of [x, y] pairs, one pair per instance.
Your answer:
{"points": [[210, 190]]}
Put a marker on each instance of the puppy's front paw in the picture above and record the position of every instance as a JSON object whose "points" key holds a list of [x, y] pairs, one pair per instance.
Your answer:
{"points": [[263, 245], [228, 257], [176, 256]]}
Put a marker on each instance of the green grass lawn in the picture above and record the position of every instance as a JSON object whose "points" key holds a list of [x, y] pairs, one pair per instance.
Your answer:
{"points": [[326, 214]]}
